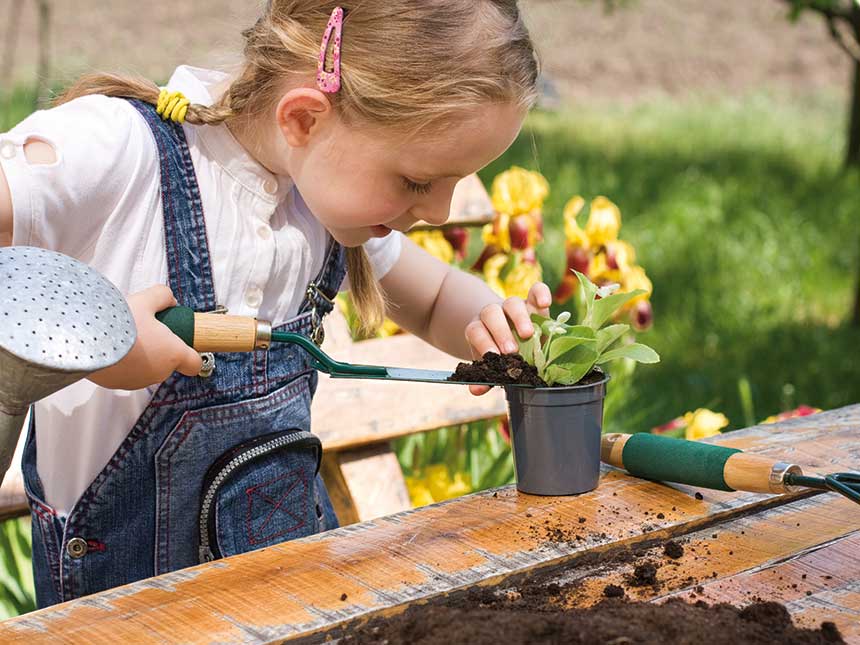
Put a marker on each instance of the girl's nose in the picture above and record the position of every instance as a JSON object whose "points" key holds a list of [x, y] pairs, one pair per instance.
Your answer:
{"points": [[435, 209]]}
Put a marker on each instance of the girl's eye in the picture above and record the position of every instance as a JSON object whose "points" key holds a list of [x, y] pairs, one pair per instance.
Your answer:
{"points": [[421, 189]]}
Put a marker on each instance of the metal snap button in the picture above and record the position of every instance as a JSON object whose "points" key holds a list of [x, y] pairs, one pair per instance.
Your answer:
{"points": [[7, 150], [77, 547], [208, 365]]}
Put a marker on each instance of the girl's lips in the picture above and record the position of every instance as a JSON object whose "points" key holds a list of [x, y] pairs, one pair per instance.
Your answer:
{"points": [[380, 230]]}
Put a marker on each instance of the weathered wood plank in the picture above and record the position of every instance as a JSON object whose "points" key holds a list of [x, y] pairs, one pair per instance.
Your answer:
{"points": [[296, 588], [375, 480], [719, 558], [820, 584]]}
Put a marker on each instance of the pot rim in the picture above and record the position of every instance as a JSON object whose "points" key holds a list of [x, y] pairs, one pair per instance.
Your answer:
{"points": [[568, 388]]}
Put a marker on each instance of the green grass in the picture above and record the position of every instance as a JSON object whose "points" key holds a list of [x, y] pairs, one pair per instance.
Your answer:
{"points": [[16, 105]]}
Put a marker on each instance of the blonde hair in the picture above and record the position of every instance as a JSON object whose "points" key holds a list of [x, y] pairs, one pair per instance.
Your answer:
{"points": [[405, 64]]}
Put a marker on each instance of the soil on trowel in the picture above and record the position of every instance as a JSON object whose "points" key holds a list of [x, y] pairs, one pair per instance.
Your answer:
{"points": [[504, 369], [610, 621]]}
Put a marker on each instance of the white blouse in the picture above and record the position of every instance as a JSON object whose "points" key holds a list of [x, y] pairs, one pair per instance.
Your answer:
{"points": [[100, 202]]}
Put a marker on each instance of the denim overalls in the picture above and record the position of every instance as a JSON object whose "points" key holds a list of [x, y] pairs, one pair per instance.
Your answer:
{"points": [[214, 466]]}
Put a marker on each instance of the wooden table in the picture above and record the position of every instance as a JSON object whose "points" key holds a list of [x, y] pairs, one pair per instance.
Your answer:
{"points": [[801, 550]]}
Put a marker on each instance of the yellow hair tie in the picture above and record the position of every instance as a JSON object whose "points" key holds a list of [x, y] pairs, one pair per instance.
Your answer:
{"points": [[172, 105]]}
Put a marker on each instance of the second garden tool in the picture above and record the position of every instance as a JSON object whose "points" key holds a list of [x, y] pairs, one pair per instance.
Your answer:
{"points": [[717, 467], [210, 332], [60, 321]]}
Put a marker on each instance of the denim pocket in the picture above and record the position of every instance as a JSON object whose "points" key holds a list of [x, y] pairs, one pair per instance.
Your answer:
{"points": [[260, 493]]}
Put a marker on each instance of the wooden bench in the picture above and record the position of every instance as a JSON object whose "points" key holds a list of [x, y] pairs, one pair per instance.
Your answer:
{"points": [[798, 549], [356, 420]]}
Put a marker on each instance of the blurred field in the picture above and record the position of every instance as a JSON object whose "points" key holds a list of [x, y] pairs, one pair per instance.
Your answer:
{"points": [[648, 48]]}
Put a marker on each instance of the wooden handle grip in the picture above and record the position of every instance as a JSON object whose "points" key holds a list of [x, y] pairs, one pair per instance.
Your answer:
{"points": [[612, 448], [757, 474], [221, 333], [698, 464]]}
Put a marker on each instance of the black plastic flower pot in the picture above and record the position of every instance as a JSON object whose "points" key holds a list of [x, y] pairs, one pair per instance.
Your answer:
{"points": [[555, 433]]}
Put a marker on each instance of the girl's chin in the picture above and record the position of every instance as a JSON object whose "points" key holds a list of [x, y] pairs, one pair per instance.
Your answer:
{"points": [[358, 236]]}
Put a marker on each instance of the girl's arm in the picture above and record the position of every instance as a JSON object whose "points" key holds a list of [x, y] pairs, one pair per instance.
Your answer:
{"points": [[455, 311]]}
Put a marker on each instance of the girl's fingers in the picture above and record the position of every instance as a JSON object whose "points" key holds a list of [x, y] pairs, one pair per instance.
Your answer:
{"points": [[190, 362], [479, 339], [495, 321], [156, 298], [517, 311], [478, 390], [539, 299]]}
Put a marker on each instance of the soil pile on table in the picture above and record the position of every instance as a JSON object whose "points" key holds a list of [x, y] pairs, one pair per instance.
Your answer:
{"points": [[610, 621], [504, 369]]}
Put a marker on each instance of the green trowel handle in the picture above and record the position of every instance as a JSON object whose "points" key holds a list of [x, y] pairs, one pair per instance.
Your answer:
{"points": [[208, 332], [697, 464], [326, 363]]}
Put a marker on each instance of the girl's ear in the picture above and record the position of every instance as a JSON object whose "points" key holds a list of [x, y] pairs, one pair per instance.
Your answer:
{"points": [[300, 112]]}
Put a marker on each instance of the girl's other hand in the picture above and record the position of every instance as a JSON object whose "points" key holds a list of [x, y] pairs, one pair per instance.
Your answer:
{"points": [[156, 354], [491, 330]]}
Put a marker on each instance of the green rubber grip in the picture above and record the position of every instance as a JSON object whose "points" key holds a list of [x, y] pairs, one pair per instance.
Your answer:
{"points": [[180, 320], [675, 460]]}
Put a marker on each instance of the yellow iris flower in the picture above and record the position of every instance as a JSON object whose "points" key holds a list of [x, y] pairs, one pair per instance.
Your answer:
{"points": [[434, 243], [704, 423], [518, 191], [604, 221]]}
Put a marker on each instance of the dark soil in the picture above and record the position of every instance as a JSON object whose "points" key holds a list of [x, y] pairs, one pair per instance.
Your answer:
{"points": [[610, 621], [673, 550], [613, 591], [644, 575], [538, 612], [504, 369]]}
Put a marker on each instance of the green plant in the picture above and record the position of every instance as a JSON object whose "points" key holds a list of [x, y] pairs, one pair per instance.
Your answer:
{"points": [[563, 354]]}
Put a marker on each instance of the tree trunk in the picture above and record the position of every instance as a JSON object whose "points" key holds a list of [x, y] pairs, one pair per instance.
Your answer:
{"points": [[852, 153]]}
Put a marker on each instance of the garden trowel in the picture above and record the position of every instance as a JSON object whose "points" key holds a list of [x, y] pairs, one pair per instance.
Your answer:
{"points": [[212, 332]]}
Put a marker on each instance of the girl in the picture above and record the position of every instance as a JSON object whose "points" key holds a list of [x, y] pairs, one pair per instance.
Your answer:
{"points": [[345, 125]]}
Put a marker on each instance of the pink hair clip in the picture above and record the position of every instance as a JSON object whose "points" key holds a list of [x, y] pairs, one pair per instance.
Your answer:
{"points": [[329, 81]]}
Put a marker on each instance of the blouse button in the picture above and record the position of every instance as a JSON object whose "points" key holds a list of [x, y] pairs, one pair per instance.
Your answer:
{"points": [[7, 150], [264, 232], [254, 297], [270, 186]]}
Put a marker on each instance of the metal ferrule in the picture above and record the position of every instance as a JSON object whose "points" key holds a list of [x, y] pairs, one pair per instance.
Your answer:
{"points": [[264, 335], [777, 477]]}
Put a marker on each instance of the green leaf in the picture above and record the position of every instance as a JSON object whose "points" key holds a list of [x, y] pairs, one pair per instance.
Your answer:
{"points": [[530, 346], [637, 351], [575, 336], [608, 335], [607, 306], [589, 290], [569, 374]]}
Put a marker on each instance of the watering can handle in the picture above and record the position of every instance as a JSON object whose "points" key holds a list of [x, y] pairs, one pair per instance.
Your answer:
{"points": [[209, 332], [697, 464]]}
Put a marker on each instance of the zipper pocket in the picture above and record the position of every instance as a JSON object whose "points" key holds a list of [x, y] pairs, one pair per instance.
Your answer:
{"points": [[235, 458]]}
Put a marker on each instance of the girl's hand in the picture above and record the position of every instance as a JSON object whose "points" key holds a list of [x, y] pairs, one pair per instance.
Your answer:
{"points": [[156, 354], [491, 331]]}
